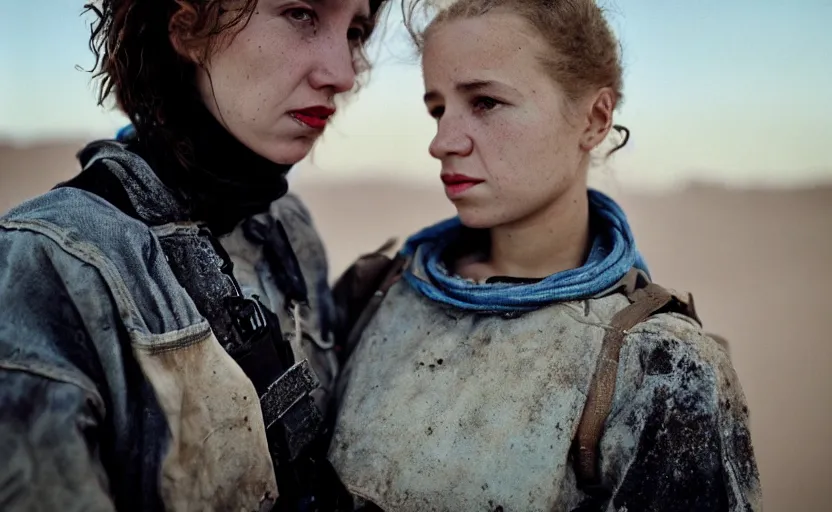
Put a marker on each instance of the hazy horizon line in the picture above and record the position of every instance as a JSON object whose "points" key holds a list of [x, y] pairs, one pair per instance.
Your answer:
{"points": [[808, 178]]}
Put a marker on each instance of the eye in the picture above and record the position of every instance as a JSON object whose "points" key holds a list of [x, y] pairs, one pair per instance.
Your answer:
{"points": [[300, 15], [484, 103]]}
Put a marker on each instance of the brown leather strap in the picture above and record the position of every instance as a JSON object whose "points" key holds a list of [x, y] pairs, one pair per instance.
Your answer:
{"points": [[392, 274], [645, 302]]}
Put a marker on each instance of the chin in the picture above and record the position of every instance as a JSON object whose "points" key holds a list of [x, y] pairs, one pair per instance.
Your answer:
{"points": [[476, 218], [487, 216], [289, 152]]}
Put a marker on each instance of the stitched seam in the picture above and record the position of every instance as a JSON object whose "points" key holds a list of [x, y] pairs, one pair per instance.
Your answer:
{"points": [[91, 255], [56, 375]]}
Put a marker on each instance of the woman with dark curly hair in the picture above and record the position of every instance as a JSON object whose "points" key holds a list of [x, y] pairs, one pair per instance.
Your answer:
{"points": [[161, 346]]}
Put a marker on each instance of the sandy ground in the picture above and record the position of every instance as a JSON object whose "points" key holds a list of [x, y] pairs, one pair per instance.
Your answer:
{"points": [[757, 262]]}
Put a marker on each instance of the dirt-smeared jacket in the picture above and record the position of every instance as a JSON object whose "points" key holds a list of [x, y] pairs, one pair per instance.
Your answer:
{"points": [[447, 410], [114, 390]]}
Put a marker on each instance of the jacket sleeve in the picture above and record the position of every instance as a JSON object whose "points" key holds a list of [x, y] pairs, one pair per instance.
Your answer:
{"points": [[679, 438], [50, 406]]}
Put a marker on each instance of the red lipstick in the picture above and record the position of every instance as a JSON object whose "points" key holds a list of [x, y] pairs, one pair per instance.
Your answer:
{"points": [[314, 117], [456, 184]]}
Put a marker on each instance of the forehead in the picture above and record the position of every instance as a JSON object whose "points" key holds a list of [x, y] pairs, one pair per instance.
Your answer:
{"points": [[495, 45]]}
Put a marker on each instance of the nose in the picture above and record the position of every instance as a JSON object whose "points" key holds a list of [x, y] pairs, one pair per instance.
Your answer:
{"points": [[336, 66], [451, 139]]}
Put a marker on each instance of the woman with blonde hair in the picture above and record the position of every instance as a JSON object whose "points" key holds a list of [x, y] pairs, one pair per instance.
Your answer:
{"points": [[517, 357]]}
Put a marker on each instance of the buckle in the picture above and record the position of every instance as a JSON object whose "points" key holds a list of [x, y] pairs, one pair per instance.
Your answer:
{"points": [[248, 318], [287, 403], [282, 394]]}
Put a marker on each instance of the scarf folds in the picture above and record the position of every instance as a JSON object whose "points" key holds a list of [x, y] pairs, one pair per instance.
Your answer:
{"points": [[613, 253]]}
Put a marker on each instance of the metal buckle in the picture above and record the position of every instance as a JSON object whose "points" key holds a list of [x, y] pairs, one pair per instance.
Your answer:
{"points": [[297, 381], [287, 402], [248, 318]]}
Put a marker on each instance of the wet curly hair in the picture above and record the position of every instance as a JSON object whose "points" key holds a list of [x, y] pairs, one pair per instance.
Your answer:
{"points": [[137, 65]]}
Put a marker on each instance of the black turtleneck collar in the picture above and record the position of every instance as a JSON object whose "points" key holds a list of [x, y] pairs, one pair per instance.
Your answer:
{"points": [[225, 182]]}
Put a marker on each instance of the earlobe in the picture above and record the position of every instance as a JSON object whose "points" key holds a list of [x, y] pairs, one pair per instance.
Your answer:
{"points": [[599, 120], [185, 48], [179, 46]]}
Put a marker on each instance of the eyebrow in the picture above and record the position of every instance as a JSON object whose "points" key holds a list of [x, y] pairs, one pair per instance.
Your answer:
{"points": [[472, 86]]}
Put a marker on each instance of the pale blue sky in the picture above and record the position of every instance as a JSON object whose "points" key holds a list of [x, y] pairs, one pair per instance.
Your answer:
{"points": [[732, 89]]}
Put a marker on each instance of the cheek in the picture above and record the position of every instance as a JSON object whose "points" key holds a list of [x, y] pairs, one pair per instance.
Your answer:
{"points": [[529, 160], [254, 73], [500, 140], [528, 168], [520, 155]]}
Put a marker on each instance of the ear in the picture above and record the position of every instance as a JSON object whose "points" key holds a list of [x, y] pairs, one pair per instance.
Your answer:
{"points": [[181, 33], [599, 119]]}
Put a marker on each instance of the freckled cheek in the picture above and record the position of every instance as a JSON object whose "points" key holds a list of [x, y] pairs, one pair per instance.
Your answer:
{"points": [[273, 73], [522, 168], [489, 140], [509, 143]]}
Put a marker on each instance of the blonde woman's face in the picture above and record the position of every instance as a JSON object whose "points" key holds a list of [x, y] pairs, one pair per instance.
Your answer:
{"points": [[509, 142]]}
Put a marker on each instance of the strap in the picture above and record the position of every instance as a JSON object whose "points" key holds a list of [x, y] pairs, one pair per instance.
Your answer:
{"points": [[393, 273], [277, 249], [100, 181], [646, 300], [359, 292]]}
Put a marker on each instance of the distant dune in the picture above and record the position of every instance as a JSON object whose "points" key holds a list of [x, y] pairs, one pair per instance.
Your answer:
{"points": [[26, 171], [757, 261]]}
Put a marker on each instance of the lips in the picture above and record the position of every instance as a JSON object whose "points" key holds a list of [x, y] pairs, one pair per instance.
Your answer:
{"points": [[456, 184], [313, 117]]}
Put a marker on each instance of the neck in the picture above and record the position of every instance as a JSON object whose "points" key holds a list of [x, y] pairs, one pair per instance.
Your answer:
{"points": [[224, 181], [550, 241]]}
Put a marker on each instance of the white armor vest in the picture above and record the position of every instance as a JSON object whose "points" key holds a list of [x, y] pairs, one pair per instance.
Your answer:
{"points": [[448, 410]]}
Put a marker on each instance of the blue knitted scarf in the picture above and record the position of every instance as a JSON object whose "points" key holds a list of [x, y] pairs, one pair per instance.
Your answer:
{"points": [[612, 255]]}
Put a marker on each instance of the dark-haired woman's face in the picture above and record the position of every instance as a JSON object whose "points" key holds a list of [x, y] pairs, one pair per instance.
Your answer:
{"points": [[273, 84]]}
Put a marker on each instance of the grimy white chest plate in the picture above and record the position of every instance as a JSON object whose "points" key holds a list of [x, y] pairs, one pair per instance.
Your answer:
{"points": [[445, 410]]}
